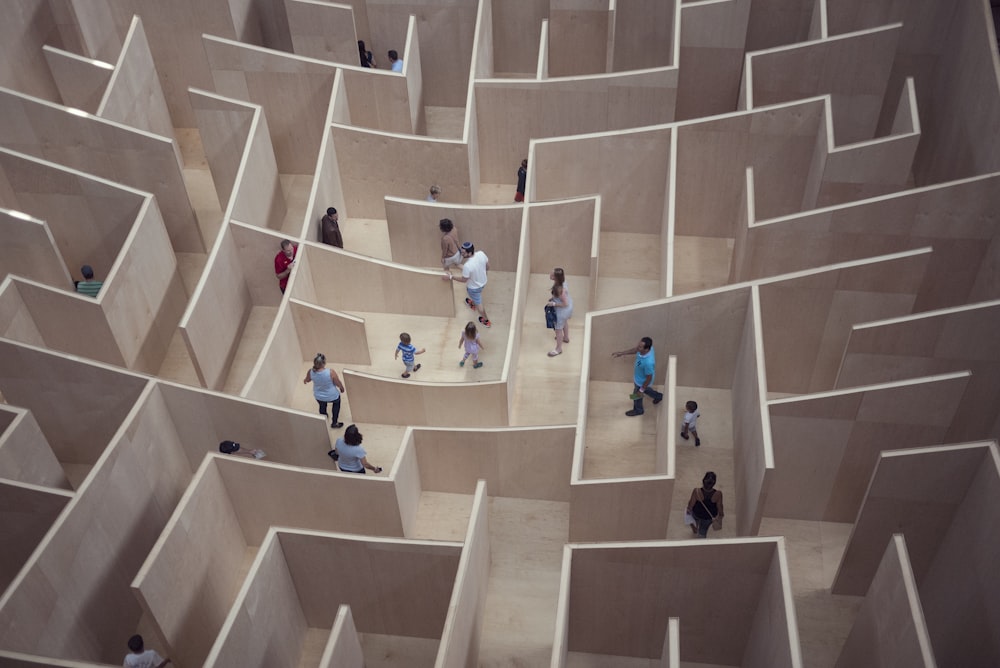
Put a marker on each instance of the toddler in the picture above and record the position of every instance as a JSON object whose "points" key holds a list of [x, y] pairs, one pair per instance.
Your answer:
{"points": [[408, 350], [691, 422], [470, 339]]}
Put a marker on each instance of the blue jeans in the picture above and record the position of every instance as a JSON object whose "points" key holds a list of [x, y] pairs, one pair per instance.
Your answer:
{"points": [[650, 392], [703, 526]]}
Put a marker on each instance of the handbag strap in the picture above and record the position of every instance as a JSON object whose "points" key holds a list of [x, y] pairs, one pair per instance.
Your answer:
{"points": [[702, 495]]}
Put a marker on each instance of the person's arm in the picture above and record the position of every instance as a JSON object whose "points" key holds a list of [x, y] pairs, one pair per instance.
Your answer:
{"points": [[559, 301], [420, 352], [630, 351], [396, 356], [693, 500], [286, 272], [461, 339], [460, 279], [480, 342], [371, 467], [338, 238], [336, 381], [646, 383], [163, 663], [308, 378], [718, 503], [684, 427]]}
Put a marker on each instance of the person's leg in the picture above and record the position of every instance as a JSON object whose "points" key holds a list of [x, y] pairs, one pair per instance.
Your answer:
{"points": [[697, 441], [322, 407], [335, 414], [637, 408], [559, 342], [409, 368], [464, 357], [657, 397], [703, 526]]}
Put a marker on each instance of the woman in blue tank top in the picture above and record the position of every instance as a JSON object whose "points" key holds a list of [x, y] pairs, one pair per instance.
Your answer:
{"points": [[327, 388]]}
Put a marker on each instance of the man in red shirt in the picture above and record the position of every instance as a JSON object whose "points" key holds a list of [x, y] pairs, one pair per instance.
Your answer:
{"points": [[283, 263]]}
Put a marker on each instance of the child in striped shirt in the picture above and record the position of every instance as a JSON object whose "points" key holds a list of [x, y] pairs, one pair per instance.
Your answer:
{"points": [[408, 350]]}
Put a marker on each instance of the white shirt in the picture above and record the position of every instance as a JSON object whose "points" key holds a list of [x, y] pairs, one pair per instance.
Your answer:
{"points": [[148, 659], [397, 65], [474, 269], [691, 420]]}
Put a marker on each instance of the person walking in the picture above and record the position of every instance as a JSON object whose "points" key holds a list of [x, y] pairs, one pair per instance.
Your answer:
{"points": [[327, 389], [563, 303], [705, 505], [642, 378]]}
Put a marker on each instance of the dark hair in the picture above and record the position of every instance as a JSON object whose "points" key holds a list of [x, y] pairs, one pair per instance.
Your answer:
{"points": [[87, 271], [648, 342], [135, 643], [405, 338], [470, 330], [352, 436], [285, 243], [524, 163], [331, 211], [560, 275], [362, 51], [229, 447], [709, 480], [446, 225], [691, 405], [319, 361], [393, 55], [469, 247]]}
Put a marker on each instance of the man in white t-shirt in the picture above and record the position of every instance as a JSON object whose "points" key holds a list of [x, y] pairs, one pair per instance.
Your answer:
{"points": [[141, 657], [474, 276]]}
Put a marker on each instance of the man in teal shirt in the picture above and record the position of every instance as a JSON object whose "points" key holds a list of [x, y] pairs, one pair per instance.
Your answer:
{"points": [[88, 286], [642, 378]]}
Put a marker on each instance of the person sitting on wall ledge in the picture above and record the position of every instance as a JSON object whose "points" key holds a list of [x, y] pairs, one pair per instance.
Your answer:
{"points": [[88, 286]]}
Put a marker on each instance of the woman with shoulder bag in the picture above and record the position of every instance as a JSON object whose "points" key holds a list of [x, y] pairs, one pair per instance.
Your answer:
{"points": [[705, 505]]}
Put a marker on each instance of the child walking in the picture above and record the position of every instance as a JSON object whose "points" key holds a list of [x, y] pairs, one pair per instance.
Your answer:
{"points": [[408, 350], [691, 422], [470, 339]]}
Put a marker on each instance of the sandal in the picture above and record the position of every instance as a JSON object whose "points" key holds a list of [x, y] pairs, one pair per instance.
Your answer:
{"points": [[406, 375], [477, 365], [416, 368], [553, 353]]}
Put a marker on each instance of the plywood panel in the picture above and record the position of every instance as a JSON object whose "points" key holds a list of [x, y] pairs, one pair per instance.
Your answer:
{"points": [[266, 625], [115, 152], [521, 463], [73, 599], [204, 539], [217, 313], [343, 648], [25, 455], [26, 514], [376, 286], [203, 419], [93, 402], [322, 30], [460, 638], [774, 639], [891, 596], [608, 614], [395, 588], [409, 402], [643, 35], [628, 170], [88, 218], [688, 327], [29, 25], [320, 329], [379, 99], [578, 37], [402, 167], [415, 237], [562, 235], [258, 198], [510, 112], [134, 96], [824, 478], [713, 39], [81, 81], [294, 93], [15, 318], [29, 250], [516, 35], [961, 576], [620, 509], [714, 154], [224, 126]]}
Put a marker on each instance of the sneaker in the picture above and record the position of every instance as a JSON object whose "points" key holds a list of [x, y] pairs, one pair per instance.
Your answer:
{"points": [[336, 425], [656, 401], [405, 375], [484, 322], [470, 303], [697, 442], [684, 436], [462, 363], [477, 365], [633, 413]]}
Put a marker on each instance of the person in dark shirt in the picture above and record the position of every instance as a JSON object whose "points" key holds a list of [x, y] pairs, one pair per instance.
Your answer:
{"points": [[331, 229]]}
